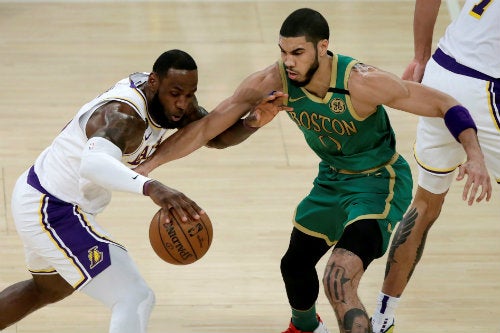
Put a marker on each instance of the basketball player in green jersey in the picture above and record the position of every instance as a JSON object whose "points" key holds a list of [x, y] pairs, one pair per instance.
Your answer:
{"points": [[363, 186]]}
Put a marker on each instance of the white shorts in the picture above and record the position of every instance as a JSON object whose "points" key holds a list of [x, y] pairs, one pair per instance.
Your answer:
{"points": [[58, 237], [436, 151]]}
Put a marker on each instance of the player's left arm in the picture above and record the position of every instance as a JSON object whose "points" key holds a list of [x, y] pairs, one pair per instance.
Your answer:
{"points": [[371, 87]]}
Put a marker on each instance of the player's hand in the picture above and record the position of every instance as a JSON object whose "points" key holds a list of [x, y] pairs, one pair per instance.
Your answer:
{"points": [[414, 71], [478, 179], [267, 109], [174, 201]]}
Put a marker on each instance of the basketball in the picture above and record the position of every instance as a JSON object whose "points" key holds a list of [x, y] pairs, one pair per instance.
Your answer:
{"points": [[178, 242]]}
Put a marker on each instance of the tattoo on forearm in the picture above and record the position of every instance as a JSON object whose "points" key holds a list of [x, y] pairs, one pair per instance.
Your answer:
{"points": [[402, 233]]}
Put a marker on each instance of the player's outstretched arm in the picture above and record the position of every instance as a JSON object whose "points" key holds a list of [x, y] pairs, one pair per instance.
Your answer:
{"points": [[262, 114], [250, 93]]}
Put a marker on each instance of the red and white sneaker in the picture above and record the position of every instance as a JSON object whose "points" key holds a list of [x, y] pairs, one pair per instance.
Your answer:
{"points": [[320, 329]]}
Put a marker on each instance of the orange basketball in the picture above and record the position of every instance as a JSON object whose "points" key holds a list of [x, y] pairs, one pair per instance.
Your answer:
{"points": [[178, 242]]}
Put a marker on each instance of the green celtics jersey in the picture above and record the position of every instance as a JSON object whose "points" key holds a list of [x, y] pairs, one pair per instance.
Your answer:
{"points": [[332, 128]]}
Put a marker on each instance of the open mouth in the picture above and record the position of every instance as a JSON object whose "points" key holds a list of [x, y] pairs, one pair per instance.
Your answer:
{"points": [[292, 75], [176, 118]]}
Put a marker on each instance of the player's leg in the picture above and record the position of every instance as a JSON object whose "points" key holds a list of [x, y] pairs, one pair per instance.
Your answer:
{"points": [[298, 269], [46, 285], [360, 244], [405, 252], [409, 241], [25, 297], [124, 291]]}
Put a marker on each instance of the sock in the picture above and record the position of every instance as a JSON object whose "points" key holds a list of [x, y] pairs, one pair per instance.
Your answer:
{"points": [[307, 320], [384, 312]]}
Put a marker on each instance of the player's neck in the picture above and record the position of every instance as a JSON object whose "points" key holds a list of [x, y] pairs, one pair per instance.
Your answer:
{"points": [[320, 81]]}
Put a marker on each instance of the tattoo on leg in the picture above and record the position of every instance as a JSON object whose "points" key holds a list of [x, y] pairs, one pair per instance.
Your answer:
{"points": [[402, 233], [420, 252], [356, 320], [335, 280]]}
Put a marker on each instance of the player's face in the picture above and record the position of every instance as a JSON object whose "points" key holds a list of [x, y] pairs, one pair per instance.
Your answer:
{"points": [[175, 93], [360, 325], [300, 58]]}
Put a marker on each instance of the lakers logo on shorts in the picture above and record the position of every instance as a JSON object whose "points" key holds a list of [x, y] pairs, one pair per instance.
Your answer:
{"points": [[95, 256]]}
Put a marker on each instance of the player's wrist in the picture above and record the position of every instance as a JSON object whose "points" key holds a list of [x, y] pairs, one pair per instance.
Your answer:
{"points": [[458, 119], [147, 187]]}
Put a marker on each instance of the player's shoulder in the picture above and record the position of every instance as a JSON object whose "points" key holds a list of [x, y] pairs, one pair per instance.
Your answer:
{"points": [[364, 74]]}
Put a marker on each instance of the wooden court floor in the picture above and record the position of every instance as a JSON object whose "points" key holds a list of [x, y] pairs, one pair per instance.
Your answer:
{"points": [[55, 56]]}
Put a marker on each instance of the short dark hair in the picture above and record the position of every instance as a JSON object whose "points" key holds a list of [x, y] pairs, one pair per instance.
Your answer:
{"points": [[175, 59], [308, 23]]}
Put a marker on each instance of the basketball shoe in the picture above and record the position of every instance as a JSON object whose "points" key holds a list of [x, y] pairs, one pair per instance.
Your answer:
{"points": [[320, 329], [386, 328]]}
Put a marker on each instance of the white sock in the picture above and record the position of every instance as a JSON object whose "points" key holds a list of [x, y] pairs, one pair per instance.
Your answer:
{"points": [[384, 312]]}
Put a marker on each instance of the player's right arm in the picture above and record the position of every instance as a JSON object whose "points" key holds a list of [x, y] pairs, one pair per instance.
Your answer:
{"points": [[424, 20], [114, 129]]}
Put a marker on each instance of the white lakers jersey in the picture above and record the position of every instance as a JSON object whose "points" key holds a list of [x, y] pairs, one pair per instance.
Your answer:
{"points": [[58, 166], [473, 38]]}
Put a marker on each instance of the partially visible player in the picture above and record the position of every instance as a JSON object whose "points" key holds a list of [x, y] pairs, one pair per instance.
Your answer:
{"points": [[56, 201], [363, 186], [465, 65]]}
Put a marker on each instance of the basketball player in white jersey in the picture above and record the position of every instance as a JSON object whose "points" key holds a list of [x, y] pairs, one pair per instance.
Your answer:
{"points": [[55, 202], [465, 65]]}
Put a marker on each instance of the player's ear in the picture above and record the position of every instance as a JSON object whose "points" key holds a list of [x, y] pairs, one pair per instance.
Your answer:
{"points": [[153, 81], [323, 47]]}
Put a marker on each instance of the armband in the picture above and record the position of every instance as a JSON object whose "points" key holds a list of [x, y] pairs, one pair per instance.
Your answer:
{"points": [[101, 163], [458, 119]]}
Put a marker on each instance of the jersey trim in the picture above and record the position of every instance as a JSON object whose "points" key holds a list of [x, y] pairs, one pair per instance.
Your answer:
{"points": [[393, 159]]}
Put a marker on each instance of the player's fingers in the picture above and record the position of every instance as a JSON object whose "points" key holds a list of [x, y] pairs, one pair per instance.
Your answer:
{"points": [[472, 194], [482, 195], [486, 190], [167, 215], [467, 189], [192, 209], [408, 73], [461, 172]]}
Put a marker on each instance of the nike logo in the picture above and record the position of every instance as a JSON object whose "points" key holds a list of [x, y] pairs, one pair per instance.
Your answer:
{"points": [[147, 135], [135, 177], [291, 100]]}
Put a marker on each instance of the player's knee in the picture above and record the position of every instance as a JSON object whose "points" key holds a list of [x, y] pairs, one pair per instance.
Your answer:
{"points": [[141, 298], [51, 290], [291, 265], [428, 208], [341, 276], [53, 296]]}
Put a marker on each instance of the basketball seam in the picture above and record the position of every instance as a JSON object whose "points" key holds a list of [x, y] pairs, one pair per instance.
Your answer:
{"points": [[161, 238], [188, 240]]}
